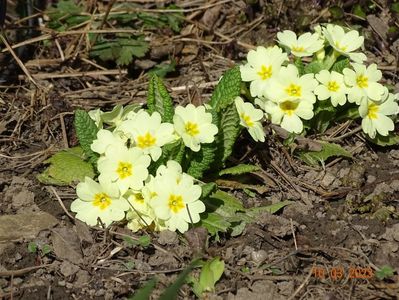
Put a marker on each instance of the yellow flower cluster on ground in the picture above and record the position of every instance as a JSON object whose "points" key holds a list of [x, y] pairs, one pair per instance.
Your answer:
{"points": [[125, 189], [289, 95]]}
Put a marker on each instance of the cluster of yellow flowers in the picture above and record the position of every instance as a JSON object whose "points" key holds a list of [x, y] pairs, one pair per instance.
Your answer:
{"points": [[171, 199], [288, 98]]}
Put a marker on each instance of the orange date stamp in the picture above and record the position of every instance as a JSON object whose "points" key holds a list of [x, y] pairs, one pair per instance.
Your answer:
{"points": [[338, 273]]}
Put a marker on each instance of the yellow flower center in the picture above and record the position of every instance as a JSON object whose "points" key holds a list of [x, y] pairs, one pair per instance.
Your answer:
{"points": [[362, 81], [139, 198], [373, 110], [294, 90], [145, 141], [192, 128], [339, 47], [175, 203], [102, 200], [289, 107], [333, 86], [297, 48], [265, 72], [247, 120], [125, 169]]}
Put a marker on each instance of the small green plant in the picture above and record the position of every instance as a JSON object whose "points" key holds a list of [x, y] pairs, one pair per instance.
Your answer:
{"points": [[42, 250], [119, 47], [385, 272], [211, 272]]}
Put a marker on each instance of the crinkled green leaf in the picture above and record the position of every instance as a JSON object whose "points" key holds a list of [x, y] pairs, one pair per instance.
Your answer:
{"points": [[214, 223], [314, 67], [324, 113], [329, 150], [159, 100], [207, 189], [299, 65], [201, 161], [229, 131], [221, 207], [384, 141], [86, 131], [227, 89], [340, 65], [66, 167], [144, 293], [239, 169]]}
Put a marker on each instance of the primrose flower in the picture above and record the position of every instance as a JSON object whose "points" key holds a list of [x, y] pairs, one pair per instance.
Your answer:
{"points": [[194, 125], [173, 170], [105, 138], [332, 86], [263, 64], [287, 85], [127, 167], [362, 83], [375, 114], [148, 132], [99, 200], [177, 204], [142, 215], [345, 42], [288, 113], [305, 45], [250, 118]]}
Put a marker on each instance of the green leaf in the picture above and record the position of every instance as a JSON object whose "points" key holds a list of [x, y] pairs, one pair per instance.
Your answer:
{"points": [[227, 89], [207, 189], [299, 65], [122, 49], [66, 167], [163, 69], [143, 241], [66, 14], [46, 249], [336, 12], [159, 100], [201, 161], [86, 131], [220, 207], [324, 113], [384, 141], [340, 65], [229, 130], [172, 292], [144, 292], [239, 169], [254, 212], [395, 7], [358, 11], [314, 67], [32, 247], [214, 223], [210, 274], [329, 150], [385, 272]]}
